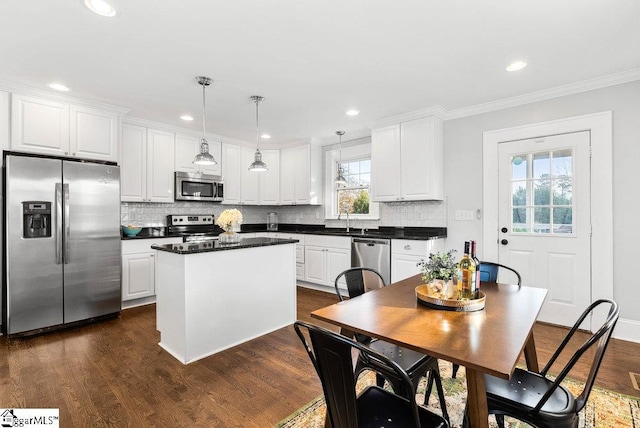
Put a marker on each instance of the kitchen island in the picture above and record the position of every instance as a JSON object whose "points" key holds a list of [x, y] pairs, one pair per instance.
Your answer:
{"points": [[212, 296]]}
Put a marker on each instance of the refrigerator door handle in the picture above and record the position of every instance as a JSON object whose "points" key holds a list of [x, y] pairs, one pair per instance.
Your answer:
{"points": [[67, 227], [58, 220]]}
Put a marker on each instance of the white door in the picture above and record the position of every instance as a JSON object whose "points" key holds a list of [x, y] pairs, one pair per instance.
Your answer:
{"points": [[545, 221]]}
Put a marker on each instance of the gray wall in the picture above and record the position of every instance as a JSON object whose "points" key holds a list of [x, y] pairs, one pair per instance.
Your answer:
{"points": [[463, 171]]}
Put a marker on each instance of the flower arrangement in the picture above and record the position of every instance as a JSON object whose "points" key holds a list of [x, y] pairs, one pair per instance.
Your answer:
{"points": [[439, 266], [229, 219]]}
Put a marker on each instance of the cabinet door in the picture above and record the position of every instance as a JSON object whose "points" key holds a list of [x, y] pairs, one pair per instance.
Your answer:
{"points": [[302, 174], [287, 177], [133, 164], [39, 126], [385, 163], [421, 160], [4, 120], [138, 275], [315, 266], [231, 160], [338, 260], [270, 180], [160, 164], [249, 180], [93, 134], [403, 266], [186, 149]]}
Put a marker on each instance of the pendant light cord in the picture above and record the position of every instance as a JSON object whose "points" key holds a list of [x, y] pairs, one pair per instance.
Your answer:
{"points": [[257, 127], [204, 127]]}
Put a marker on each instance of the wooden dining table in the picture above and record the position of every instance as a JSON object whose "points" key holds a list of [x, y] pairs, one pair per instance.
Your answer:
{"points": [[488, 341]]}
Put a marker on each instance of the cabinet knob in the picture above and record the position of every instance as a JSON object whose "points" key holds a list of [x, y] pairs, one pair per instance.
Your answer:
{"points": [[66, 153], [407, 247], [73, 154]]}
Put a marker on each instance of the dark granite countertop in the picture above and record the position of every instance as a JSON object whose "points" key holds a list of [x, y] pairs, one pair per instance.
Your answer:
{"points": [[411, 233], [208, 246]]}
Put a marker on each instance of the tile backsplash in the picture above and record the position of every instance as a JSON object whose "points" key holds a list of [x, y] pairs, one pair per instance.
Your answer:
{"points": [[415, 214]]}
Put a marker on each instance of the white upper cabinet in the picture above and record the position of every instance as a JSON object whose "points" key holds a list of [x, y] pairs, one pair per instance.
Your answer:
{"points": [[4, 120], [57, 128], [249, 180], [270, 180], [406, 161], [187, 147], [160, 164], [147, 165], [231, 174], [94, 134], [301, 176]]}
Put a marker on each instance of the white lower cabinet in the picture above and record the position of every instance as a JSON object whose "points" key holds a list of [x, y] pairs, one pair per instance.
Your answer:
{"points": [[138, 268], [325, 257], [406, 254]]}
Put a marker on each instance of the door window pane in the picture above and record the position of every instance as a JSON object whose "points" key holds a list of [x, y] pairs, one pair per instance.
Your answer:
{"points": [[541, 193], [562, 191], [541, 220], [520, 223], [541, 165], [519, 167], [562, 163], [519, 195], [562, 220]]}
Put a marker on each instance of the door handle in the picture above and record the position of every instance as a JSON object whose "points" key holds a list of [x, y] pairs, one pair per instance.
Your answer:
{"points": [[67, 227], [504, 230], [58, 220], [504, 242]]}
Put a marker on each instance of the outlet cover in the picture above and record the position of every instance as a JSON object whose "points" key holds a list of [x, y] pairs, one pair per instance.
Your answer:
{"points": [[464, 215]]}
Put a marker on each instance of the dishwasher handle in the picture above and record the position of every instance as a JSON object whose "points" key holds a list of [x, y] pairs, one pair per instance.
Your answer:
{"points": [[371, 241]]}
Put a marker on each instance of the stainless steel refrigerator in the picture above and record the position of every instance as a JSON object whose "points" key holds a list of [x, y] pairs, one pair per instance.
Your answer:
{"points": [[61, 242]]}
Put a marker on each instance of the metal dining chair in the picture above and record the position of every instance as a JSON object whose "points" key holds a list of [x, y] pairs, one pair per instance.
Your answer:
{"points": [[359, 280], [331, 355], [489, 273], [542, 401]]}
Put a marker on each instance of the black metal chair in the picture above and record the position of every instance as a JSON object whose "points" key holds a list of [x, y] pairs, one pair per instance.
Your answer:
{"points": [[359, 280], [543, 402], [489, 273], [332, 357]]}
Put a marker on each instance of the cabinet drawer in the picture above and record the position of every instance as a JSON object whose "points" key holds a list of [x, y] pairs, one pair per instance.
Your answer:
{"points": [[300, 271], [299, 253], [328, 241]]}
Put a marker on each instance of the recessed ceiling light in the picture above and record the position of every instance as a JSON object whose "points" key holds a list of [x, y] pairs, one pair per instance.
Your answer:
{"points": [[58, 87], [186, 117], [516, 66], [265, 136], [353, 112], [101, 7]]}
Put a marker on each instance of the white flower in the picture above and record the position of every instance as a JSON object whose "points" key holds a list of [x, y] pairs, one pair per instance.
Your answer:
{"points": [[229, 219]]}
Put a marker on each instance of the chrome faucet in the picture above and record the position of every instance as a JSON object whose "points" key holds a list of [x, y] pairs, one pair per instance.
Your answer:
{"points": [[347, 213]]}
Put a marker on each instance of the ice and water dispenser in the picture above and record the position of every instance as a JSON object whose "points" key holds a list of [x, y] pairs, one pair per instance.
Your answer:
{"points": [[36, 219]]}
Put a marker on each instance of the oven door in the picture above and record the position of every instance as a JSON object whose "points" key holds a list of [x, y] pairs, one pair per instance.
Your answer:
{"points": [[196, 187]]}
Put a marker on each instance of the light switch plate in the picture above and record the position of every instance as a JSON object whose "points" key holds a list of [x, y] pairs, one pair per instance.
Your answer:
{"points": [[464, 215]]}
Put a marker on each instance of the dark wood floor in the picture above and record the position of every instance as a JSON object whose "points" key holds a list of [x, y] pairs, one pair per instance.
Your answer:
{"points": [[114, 373]]}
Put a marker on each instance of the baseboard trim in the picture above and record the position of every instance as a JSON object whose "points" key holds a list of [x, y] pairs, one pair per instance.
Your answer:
{"points": [[628, 330]]}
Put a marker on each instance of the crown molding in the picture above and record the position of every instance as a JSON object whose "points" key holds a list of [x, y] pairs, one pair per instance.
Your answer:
{"points": [[546, 94], [21, 89], [129, 120], [436, 110]]}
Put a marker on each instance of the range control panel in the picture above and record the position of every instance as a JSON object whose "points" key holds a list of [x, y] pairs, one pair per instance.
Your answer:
{"points": [[190, 220]]}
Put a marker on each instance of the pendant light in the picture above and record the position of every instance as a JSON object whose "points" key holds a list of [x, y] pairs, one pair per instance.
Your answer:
{"points": [[204, 157], [257, 165], [340, 181]]}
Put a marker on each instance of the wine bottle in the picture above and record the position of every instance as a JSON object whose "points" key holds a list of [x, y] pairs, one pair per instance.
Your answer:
{"points": [[467, 275], [477, 262]]}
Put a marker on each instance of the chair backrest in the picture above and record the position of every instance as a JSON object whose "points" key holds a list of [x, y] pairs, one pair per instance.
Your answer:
{"points": [[331, 355], [599, 340], [489, 272], [359, 280]]}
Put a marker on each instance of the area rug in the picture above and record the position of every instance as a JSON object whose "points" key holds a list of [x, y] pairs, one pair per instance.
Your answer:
{"points": [[605, 409]]}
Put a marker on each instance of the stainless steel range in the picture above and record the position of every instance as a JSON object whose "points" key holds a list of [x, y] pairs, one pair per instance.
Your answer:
{"points": [[193, 227]]}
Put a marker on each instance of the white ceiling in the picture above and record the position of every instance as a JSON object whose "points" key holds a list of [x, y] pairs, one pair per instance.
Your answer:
{"points": [[312, 60]]}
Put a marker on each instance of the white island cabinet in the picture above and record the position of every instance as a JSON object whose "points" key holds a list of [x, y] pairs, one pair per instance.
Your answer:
{"points": [[209, 298]]}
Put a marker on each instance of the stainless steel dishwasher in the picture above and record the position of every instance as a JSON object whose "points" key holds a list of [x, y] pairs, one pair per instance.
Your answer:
{"points": [[374, 253]]}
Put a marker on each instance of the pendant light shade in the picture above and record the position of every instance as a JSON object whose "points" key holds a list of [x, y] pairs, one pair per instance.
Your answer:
{"points": [[340, 181], [204, 157], [257, 165]]}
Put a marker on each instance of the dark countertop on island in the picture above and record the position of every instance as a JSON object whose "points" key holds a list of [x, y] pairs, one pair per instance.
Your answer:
{"points": [[208, 246], [389, 232]]}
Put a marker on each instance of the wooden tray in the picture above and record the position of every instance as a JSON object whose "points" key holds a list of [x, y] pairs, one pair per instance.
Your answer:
{"points": [[422, 294]]}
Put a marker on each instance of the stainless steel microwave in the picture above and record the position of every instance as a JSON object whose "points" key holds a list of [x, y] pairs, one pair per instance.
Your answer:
{"points": [[193, 186]]}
